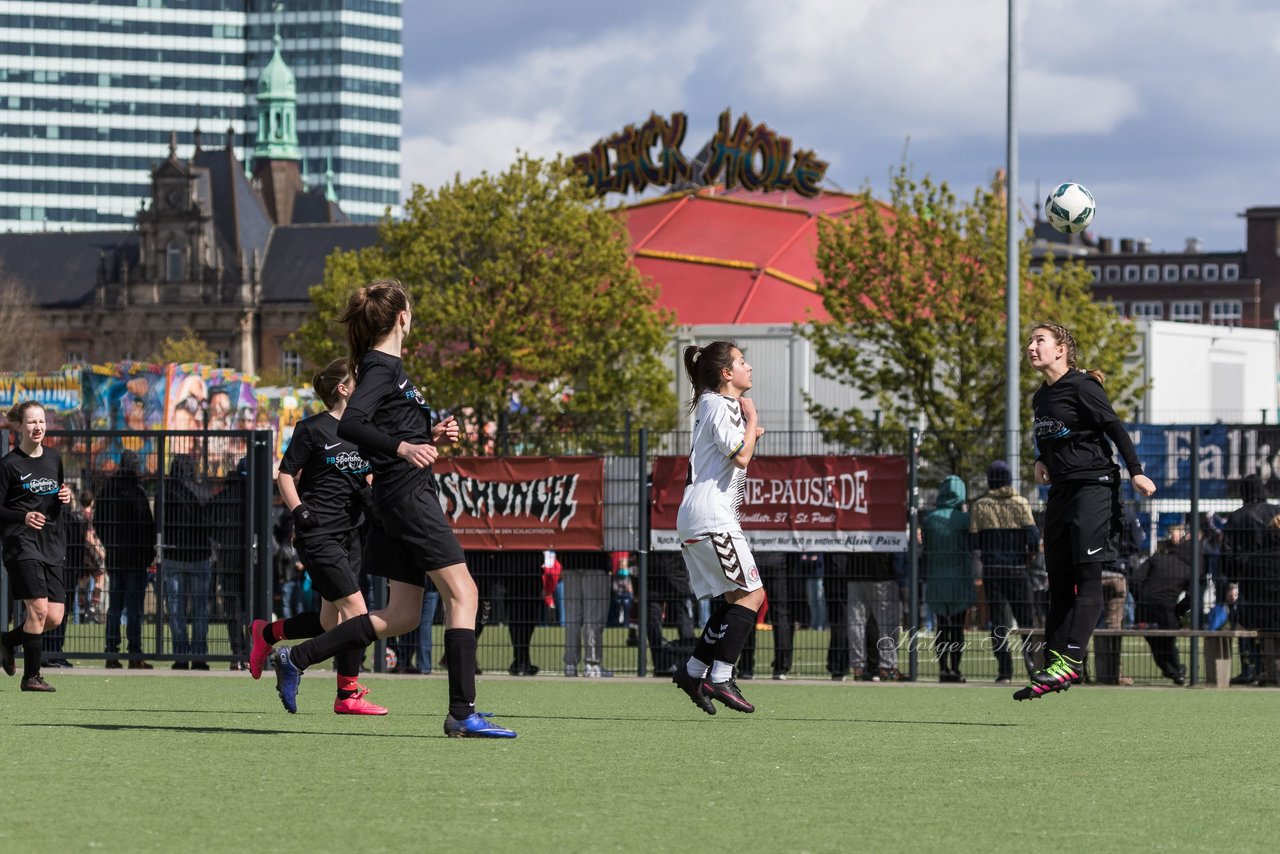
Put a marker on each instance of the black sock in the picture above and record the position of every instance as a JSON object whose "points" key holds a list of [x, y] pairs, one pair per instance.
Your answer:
{"points": [[347, 662], [31, 656], [712, 632], [304, 625], [356, 633], [460, 652], [739, 622], [15, 637]]}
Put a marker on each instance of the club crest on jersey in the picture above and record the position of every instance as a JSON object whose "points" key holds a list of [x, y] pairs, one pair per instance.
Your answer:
{"points": [[413, 394], [348, 462], [41, 486], [1051, 428], [753, 575]]}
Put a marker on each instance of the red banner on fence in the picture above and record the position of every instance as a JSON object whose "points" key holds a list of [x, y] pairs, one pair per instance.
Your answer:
{"points": [[810, 503], [524, 502]]}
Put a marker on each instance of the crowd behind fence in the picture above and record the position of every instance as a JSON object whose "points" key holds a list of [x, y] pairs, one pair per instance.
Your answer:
{"points": [[177, 541]]}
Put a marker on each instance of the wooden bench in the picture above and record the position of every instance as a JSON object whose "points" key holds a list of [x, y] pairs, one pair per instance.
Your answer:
{"points": [[1217, 646]]}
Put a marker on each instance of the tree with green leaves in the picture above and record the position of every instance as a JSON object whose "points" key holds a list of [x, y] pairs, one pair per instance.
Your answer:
{"points": [[915, 287], [527, 312], [189, 347]]}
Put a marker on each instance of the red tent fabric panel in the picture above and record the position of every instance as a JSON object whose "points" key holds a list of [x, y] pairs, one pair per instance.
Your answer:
{"points": [[775, 301], [698, 293], [726, 230], [642, 219]]}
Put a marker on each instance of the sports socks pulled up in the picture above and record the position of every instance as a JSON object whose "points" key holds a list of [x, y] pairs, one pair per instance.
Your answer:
{"points": [[353, 634]]}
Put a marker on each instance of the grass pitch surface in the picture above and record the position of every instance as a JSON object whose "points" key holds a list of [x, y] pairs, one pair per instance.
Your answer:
{"points": [[162, 762]]}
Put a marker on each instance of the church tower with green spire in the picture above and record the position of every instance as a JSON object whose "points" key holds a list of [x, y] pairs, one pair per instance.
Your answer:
{"points": [[276, 153]]}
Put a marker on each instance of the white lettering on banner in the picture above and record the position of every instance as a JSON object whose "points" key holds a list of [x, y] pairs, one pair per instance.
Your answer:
{"points": [[841, 492], [545, 499], [803, 541]]}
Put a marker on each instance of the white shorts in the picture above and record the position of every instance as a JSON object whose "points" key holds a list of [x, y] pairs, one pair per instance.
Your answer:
{"points": [[720, 563]]}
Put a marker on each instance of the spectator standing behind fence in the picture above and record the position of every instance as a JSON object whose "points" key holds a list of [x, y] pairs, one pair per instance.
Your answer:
{"points": [[1073, 423], [187, 563], [949, 588], [552, 575], [812, 568], [127, 528], [524, 607], [623, 592], [1115, 595], [773, 572], [430, 602], [587, 587], [231, 509], [670, 599], [1163, 588], [1005, 536], [83, 560], [34, 548], [1245, 535], [1260, 597], [873, 597]]}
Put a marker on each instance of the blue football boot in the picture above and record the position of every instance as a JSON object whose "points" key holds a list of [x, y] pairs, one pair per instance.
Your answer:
{"points": [[475, 725], [288, 678]]}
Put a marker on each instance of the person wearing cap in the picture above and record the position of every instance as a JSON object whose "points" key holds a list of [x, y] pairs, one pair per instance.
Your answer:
{"points": [[1005, 537]]}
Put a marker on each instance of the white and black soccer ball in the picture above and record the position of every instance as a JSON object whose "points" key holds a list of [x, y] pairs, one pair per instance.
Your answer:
{"points": [[1069, 208]]}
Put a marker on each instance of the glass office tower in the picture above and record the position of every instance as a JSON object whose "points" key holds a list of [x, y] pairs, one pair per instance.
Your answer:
{"points": [[90, 92]]}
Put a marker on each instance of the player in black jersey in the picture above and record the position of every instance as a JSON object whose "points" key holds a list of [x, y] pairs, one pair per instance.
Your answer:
{"points": [[35, 548], [322, 480], [388, 419], [1073, 423]]}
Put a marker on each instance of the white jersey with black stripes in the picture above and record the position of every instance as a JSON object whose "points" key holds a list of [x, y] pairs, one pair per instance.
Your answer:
{"points": [[714, 489]]}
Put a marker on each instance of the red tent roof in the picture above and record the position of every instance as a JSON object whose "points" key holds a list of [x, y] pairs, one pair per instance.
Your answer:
{"points": [[737, 257]]}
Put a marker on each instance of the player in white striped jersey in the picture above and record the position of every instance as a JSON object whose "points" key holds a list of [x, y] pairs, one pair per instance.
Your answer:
{"points": [[715, 551]]}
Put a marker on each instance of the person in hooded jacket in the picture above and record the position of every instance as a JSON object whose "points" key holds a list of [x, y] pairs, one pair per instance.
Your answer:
{"points": [[127, 528], [949, 588], [1161, 582], [1244, 536], [187, 564]]}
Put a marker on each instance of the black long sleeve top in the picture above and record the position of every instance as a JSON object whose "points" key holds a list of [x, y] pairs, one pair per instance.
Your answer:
{"points": [[1073, 422], [385, 410]]}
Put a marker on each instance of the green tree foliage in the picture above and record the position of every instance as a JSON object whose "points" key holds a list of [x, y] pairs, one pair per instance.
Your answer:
{"points": [[523, 289], [916, 291], [189, 347]]}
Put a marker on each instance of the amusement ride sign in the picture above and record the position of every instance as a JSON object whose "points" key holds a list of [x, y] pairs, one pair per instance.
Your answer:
{"points": [[740, 153]]}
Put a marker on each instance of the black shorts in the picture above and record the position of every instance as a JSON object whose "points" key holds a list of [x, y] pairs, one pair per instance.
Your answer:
{"points": [[334, 575], [412, 537], [1081, 523], [35, 579]]}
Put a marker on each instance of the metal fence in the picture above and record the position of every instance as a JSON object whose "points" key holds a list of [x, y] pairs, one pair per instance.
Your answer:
{"points": [[212, 564]]}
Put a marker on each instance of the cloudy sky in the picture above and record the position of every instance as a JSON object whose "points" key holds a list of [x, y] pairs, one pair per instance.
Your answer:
{"points": [[1165, 109]]}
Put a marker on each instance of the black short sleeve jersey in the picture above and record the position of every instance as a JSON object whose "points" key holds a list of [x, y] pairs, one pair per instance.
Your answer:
{"points": [[1073, 421], [385, 410], [32, 483], [333, 473]]}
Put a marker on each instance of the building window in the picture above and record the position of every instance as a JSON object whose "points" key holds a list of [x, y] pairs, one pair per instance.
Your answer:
{"points": [[1146, 310], [223, 358], [1151, 273], [1191, 271], [1187, 311], [291, 364], [1171, 272], [1113, 274], [75, 356], [1096, 272], [1230, 272], [1131, 272], [1211, 272], [173, 262], [1226, 312]]}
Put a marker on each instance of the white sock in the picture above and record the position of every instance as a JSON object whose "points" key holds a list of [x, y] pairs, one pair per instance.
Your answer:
{"points": [[721, 671], [695, 668]]}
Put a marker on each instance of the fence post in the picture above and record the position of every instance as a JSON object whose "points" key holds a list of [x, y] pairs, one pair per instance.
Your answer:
{"points": [[913, 550], [642, 554], [260, 493], [1193, 527], [162, 445]]}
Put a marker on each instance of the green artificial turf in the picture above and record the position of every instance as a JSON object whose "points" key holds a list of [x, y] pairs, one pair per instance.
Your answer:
{"points": [[165, 762]]}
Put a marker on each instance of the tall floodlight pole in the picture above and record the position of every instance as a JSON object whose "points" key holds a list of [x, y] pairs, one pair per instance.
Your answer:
{"points": [[1013, 356]]}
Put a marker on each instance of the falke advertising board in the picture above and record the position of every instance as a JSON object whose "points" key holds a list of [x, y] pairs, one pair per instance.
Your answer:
{"points": [[794, 504], [523, 502]]}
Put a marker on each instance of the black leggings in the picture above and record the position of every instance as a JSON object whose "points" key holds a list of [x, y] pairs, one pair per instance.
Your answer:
{"points": [[1075, 604]]}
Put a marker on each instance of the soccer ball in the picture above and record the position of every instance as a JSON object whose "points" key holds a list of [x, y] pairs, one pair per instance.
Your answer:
{"points": [[1070, 208]]}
